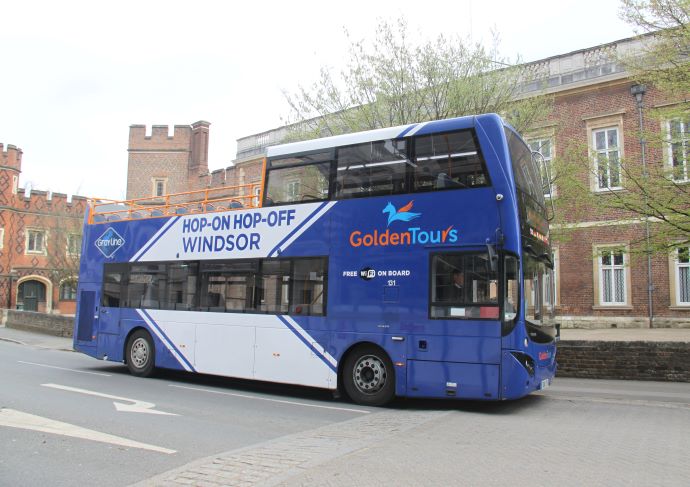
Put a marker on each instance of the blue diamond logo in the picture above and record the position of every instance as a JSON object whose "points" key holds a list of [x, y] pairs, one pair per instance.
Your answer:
{"points": [[110, 242]]}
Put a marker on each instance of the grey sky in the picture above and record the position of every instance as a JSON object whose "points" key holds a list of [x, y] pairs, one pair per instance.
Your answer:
{"points": [[75, 74]]}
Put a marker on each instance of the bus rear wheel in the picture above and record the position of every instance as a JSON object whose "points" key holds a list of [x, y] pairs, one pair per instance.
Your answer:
{"points": [[141, 354], [368, 376]]}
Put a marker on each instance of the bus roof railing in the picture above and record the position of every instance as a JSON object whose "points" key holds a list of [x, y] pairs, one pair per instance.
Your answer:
{"points": [[208, 200]]}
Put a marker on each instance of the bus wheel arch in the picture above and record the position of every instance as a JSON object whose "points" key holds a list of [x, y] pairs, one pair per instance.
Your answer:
{"points": [[140, 352], [366, 374]]}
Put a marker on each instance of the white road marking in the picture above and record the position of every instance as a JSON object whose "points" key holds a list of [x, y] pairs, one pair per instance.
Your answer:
{"points": [[20, 420], [293, 403], [63, 368], [136, 406]]}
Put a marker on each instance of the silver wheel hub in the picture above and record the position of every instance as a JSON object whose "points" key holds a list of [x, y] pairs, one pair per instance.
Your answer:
{"points": [[139, 353], [369, 374]]}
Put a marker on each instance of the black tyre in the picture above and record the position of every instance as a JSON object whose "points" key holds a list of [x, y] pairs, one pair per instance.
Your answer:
{"points": [[140, 354], [368, 376]]}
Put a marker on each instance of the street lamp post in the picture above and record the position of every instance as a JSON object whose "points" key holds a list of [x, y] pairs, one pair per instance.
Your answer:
{"points": [[638, 91]]}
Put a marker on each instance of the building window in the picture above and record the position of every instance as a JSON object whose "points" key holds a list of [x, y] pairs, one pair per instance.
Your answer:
{"points": [[257, 195], [612, 277], [68, 290], [35, 241], [160, 186], [607, 158], [2, 238], [544, 147], [15, 184], [73, 244], [681, 276], [679, 149], [292, 190]]}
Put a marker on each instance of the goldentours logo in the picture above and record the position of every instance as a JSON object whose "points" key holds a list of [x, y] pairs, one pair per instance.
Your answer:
{"points": [[110, 242], [413, 235]]}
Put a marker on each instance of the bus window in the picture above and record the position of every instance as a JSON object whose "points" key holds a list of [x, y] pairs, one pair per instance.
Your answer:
{"points": [[463, 286], [146, 286], [446, 161], [181, 293], [112, 285], [227, 286], [371, 169], [527, 176], [512, 291], [273, 286], [308, 287], [535, 282], [297, 179]]}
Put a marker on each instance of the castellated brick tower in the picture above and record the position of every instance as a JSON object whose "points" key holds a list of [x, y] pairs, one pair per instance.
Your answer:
{"points": [[161, 164], [10, 168]]}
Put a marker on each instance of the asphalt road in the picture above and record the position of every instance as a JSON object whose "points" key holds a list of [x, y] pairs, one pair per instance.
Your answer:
{"points": [[205, 415], [66, 418]]}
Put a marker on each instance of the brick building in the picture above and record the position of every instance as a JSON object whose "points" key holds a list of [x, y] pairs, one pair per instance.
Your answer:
{"points": [[40, 243], [162, 163], [598, 284]]}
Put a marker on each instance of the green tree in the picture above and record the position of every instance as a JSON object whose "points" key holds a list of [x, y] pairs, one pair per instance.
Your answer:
{"points": [[392, 81]]}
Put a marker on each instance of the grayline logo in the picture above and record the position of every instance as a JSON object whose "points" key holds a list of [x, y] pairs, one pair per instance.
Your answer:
{"points": [[110, 242]]}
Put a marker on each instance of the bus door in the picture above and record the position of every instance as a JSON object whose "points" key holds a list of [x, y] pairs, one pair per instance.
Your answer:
{"points": [[87, 314], [107, 321]]}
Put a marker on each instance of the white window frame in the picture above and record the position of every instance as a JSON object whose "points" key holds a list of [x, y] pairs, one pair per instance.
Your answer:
{"points": [[290, 194], [597, 124], [676, 265], [537, 144], [2, 237], [70, 237], [257, 195], [44, 241], [600, 253], [606, 153], [684, 140]]}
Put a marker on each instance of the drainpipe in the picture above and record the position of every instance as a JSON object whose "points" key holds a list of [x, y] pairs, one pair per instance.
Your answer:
{"points": [[638, 91]]}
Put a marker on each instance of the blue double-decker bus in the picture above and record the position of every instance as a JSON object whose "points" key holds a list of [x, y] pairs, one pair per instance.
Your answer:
{"points": [[407, 261]]}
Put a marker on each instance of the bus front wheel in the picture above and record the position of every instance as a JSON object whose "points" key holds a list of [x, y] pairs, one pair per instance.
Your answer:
{"points": [[140, 354], [368, 376]]}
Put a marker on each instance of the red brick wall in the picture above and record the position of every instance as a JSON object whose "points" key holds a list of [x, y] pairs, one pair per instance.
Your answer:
{"points": [[52, 213], [573, 111]]}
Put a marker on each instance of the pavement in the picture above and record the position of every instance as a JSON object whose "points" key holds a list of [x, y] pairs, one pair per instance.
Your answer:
{"points": [[41, 340], [34, 339]]}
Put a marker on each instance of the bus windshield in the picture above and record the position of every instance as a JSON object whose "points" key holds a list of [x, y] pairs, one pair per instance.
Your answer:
{"points": [[527, 178]]}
